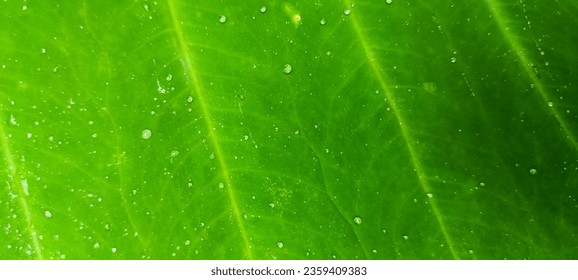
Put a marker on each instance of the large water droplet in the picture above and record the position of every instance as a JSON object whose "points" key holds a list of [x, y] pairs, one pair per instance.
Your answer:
{"points": [[223, 19], [263, 9], [357, 220], [287, 68], [533, 171], [146, 134], [47, 214], [347, 12]]}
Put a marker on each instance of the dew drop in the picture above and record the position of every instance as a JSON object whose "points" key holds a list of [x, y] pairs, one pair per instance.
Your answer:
{"points": [[223, 19], [357, 220], [187, 242], [96, 245], [212, 156], [263, 9], [482, 184], [374, 251], [221, 185], [47, 214], [323, 21], [533, 171], [287, 68], [347, 12], [453, 59], [43, 50], [550, 104], [24, 8], [146, 134], [190, 99], [388, 2], [405, 237], [280, 245], [113, 249], [174, 153], [430, 195], [471, 252], [169, 77]]}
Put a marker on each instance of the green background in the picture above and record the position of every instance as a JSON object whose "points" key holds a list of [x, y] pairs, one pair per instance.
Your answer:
{"points": [[410, 130]]}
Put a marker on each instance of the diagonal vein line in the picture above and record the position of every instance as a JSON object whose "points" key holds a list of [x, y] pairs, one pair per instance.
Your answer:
{"points": [[19, 192], [498, 15], [380, 76], [213, 138]]}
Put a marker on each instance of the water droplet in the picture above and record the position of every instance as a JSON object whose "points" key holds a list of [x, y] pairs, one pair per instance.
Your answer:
{"points": [[174, 153], [271, 205], [212, 156], [221, 185], [533, 171], [113, 250], [146, 134], [263, 9], [96, 245], [471, 252], [187, 242], [550, 104], [169, 77], [280, 245], [430, 195], [24, 184], [347, 12], [357, 220], [296, 131], [190, 99], [374, 251], [453, 59], [43, 50], [482, 184], [388, 2], [24, 8], [323, 21], [287, 68], [246, 137], [405, 237], [47, 214], [223, 19]]}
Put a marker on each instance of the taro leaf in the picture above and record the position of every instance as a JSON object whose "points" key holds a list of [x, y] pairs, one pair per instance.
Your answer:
{"points": [[288, 129]]}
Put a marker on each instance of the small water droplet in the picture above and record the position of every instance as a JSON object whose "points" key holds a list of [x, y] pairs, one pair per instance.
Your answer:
{"points": [[221, 185], [347, 12], [246, 137], [374, 251], [113, 250], [453, 59], [174, 153], [24, 8], [357, 220], [323, 21], [533, 171], [388, 2], [280, 245], [296, 131], [263, 9], [405, 237], [212, 156], [169, 77], [187, 242], [223, 19], [43, 50], [146, 134], [482, 184], [550, 104], [287, 68], [47, 214], [190, 99], [96, 245], [271, 205], [471, 252], [430, 195]]}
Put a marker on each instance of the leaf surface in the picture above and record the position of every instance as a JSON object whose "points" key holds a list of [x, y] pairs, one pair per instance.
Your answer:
{"points": [[288, 129]]}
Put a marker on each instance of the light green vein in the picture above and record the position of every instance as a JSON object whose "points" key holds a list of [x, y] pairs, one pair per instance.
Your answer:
{"points": [[384, 84], [498, 15], [212, 135], [19, 192]]}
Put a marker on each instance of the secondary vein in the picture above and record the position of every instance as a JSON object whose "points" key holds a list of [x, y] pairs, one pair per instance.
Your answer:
{"points": [[212, 135]]}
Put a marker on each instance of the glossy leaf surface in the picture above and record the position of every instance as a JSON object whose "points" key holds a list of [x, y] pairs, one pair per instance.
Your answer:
{"points": [[288, 129]]}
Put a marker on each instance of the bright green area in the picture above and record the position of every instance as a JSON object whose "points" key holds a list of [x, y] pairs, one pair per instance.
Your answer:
{"points": [[175, 129]]}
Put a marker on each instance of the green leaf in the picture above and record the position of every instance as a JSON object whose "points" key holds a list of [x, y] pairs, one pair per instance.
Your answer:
{"points": [[288, 129]]}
